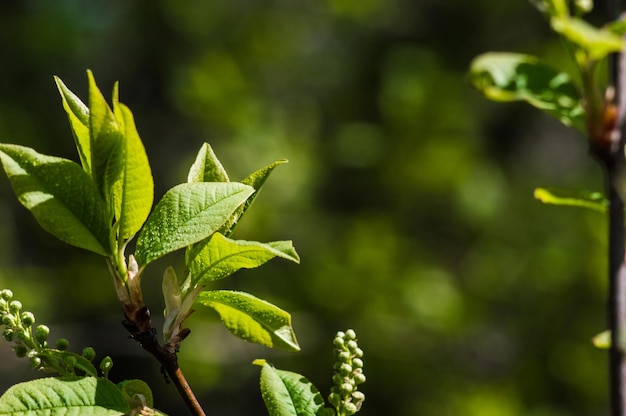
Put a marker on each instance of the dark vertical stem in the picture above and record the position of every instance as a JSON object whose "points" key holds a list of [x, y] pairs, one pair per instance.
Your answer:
{"points": [[613, 161]]}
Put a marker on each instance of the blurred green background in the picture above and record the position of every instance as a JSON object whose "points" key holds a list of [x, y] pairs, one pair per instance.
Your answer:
{"points": [[408, 196]]}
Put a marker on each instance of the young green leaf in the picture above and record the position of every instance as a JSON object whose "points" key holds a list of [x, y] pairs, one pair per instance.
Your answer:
{"points": [[558, 196], [78, 115], [255, 180], [63, 357], [602, 340], [598, 43], [288, 394], [252, 319], [207, 167], [188, 213], [219, 257], [517, 77], [61, 196], [134, 191], [107, 145], [88, 396]]}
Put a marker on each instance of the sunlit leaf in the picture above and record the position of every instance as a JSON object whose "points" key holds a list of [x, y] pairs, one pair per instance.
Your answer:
{"points": [[88, 396], [207, 167], [188, 213], [602, 340], [518, 77], [61, 196], [107, 144], [558, 196], [78, 115], [219, 257], [286, 393], [252, 319], [256, 180], [134, 191], [597, 42]]}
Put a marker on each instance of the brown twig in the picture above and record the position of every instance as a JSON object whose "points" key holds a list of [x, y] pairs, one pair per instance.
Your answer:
{"points": [[139, 325]]}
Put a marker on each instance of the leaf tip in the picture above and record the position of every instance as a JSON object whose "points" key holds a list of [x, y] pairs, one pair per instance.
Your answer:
{"points": [[260, 362]]}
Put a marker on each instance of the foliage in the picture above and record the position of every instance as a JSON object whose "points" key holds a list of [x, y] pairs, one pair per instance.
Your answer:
{"points": [[100, 208], [409, 196]]}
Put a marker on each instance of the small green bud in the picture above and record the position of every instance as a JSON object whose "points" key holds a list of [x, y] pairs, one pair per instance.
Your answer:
{"points": [[344, 356], [105, 365], [35, 362], [20, 350], [352, 346], [334, 399], [9, 320], [89, 353], [357, 363], [359, 378], [337, 379], [6, 294], [358, 353], [7, 335], [358, 396], [28, 319], [62, 344], [346, 388], [3, 304], [350, 408], [338, 342], [15, 306], [20, 335], [41, 333], [350, 334], [345, 369]]}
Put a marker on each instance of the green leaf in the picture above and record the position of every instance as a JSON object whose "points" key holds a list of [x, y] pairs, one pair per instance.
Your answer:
{"points": [[602, 340], [255, 180], [188, 213], [517, 77], [219, 257], [134, 191], [558, 196], [78, 115], [131, 388], [107, 145], [207, 167], [61, 196], [252, 319], [88, 396], [288, 394], [598, 43]]}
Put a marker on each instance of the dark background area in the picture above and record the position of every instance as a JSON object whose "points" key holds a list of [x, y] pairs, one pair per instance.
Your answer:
{"points": [[407, 195]]}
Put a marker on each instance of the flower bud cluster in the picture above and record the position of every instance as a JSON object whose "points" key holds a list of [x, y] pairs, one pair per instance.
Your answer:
{"points": [[344, 395], [31, 341], [17, 325]]}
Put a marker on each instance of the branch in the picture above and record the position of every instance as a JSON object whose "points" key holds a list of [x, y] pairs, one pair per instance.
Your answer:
{"points": [[139, 325], [612, 160]]}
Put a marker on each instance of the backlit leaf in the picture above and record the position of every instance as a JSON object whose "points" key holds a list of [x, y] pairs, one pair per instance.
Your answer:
{"points": [[286, 393], [252, 319], [207, 167], [78, 115], [134, 191], [558, 196], [219, 257], [188, 213], [517, 77]]}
